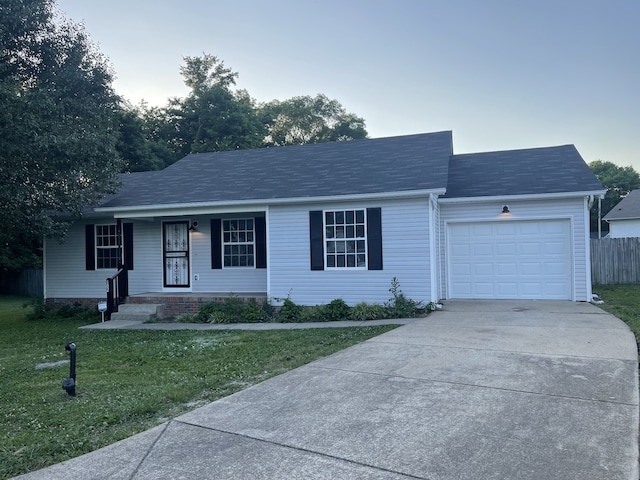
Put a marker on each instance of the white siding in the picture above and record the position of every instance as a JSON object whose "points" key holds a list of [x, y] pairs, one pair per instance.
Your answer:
{"points": [[67, 277], [65, 270], [624, 228], [571, 209], [405, 247]]}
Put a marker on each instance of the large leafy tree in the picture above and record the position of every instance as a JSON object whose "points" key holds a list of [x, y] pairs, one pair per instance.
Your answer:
{"points": [[213, 117], [618, 182], [306, 119], [57, 137]]}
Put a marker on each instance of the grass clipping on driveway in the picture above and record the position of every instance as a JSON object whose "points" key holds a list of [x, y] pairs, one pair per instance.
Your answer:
{"points": [[128, 381]]}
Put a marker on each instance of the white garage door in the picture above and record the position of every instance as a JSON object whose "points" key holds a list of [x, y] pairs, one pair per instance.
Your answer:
{"points": [[510, 259]]}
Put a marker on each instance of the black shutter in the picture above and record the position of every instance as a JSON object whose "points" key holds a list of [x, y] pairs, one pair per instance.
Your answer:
{"points": [[127, 233], [374, 238], [90, 246], [261, 242], [316, 240], [216, 243]]}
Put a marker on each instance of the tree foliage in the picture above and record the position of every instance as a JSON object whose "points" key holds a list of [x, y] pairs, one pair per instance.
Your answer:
{"points": [[618, 182], [215, 116], [57, 137], [306, 119]]}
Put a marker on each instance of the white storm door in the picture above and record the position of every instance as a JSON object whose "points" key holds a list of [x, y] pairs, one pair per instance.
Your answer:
{"points": [[516, 259], [175, 240]]}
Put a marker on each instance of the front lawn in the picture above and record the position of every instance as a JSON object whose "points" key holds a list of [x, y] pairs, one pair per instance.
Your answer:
{"points": [[128, 381], [623, 301]]}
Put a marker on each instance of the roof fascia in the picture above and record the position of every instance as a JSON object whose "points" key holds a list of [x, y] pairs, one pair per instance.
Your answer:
{"points": [[202, 208], [539, 196]]}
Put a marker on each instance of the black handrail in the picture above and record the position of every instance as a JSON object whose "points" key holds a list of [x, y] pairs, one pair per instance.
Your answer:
{"points": [[117, 291]]}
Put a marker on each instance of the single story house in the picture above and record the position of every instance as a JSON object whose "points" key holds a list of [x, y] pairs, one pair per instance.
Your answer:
{"points": [[624, 218], [340, 220]]}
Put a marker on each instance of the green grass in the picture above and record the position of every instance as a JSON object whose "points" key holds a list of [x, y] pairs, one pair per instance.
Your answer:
{"points": [[128, 381], [623, 301]]}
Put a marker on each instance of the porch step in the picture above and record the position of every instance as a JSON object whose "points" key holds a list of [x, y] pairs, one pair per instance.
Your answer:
{"points": [[137, 312]]}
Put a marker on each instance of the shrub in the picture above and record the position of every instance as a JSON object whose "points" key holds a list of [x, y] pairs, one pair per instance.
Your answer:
{"points": [[336, 310], [367, 311], [399, 306], [312, 314], [289, 312], [252, 312]]}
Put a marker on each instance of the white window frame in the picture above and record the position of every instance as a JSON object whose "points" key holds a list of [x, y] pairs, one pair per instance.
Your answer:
{"points": [[228, 241], [99, 248], [336, 239]]}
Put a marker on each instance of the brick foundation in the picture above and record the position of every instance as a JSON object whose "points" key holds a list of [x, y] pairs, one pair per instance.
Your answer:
{"points": [[180, 305]]}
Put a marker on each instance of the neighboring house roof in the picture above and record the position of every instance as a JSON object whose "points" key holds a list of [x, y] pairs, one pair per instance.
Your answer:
{"points": [[408, 164], [627, 209], [532, 171], [358, 167]]}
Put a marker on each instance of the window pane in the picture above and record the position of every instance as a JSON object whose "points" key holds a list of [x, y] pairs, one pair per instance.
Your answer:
{"points": [[242, 225], [329, 218], [331, 247], [243, 261], [351, 247], [360, 246], [340, 260], [242, 237], [331, 261], [359, 216], [350, 232], [339, 232], [360, 231], [250, 261], [349, 216], [249, 236], [340, 247], [351, 260], [329, 233], [227, 261], [250, 224], [226, 225], [361, 261], [339, 217]]}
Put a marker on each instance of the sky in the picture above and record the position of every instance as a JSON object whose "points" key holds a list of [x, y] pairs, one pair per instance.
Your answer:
{"points": [[501, 74]]}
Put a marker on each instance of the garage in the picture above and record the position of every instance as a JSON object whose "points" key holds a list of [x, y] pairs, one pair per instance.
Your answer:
{"points": [[510, 259]]}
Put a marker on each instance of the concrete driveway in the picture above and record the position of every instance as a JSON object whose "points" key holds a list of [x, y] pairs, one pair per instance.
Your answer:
{"points": [[481, 390]]}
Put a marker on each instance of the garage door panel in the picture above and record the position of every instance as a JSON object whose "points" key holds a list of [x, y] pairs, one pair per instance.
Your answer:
{"points": [[511, 259]]}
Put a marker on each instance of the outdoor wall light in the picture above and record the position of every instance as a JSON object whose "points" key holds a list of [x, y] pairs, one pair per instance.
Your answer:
{"points": [[505, 209], [193, 227]]}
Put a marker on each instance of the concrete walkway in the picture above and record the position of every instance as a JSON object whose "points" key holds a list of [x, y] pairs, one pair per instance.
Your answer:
{"points": [[481, 390]]}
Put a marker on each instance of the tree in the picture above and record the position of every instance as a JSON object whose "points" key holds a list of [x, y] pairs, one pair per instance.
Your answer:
{"points": [[618, 182], [57, 135], [213, 117], [138, 152], [306, 119]]}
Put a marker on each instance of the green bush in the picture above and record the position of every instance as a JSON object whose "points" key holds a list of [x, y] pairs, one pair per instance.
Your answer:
{"points": [[252, 312], [367, 311], [336, 310], [312, 314], [399, 306], [289, 312]]}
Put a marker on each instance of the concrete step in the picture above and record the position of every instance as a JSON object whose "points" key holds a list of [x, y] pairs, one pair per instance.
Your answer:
{"points": [[142, 312]]}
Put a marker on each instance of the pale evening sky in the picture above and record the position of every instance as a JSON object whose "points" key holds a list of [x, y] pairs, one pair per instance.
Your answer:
{"points": [[502, 74]]}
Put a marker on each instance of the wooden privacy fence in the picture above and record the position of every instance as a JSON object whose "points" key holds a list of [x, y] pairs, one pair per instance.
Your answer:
{"points": [[615, 261], [28, 282]]}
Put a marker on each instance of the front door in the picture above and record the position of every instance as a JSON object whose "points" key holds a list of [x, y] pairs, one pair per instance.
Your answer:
{"points": [[175, 241]]}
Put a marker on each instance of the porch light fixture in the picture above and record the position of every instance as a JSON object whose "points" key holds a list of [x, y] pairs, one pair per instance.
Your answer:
{"points": [[193, 227], [505, 209]]}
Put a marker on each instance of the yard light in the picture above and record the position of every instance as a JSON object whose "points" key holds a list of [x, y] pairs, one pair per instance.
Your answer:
{"points": [[69, 384]]}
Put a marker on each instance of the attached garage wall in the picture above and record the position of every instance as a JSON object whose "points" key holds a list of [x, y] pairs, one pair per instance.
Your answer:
{"points": [[510, 259], [537, 251]]}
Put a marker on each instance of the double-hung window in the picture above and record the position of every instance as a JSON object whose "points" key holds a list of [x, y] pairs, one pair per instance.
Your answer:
{"points": [[238, 238], [345, 234], [107, 250]]}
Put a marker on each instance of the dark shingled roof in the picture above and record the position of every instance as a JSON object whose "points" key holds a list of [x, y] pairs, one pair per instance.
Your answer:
{"points": [[383, 165], [628, 208], [520, 172]]}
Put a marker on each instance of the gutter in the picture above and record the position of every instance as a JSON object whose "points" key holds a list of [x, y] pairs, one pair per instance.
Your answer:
{"points": [[259, 204], [535, 196]]}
